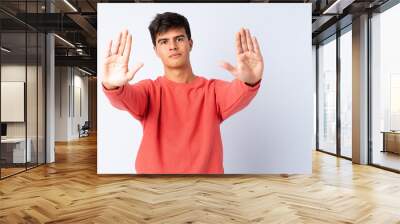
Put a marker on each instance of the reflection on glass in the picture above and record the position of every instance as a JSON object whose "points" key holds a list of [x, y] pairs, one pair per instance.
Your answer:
{"points": [[386, 88], [327, 97], [22, 89], [395, 101], [13, 85], [41, 98], [346, 93], [31, 101]]}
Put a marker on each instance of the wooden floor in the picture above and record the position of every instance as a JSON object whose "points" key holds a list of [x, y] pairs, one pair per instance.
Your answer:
{"points": [[5, 172], [70, 191], [387, 159]]}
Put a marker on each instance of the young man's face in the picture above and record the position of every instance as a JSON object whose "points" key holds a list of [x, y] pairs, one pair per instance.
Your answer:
{"points": [[173, 47]]}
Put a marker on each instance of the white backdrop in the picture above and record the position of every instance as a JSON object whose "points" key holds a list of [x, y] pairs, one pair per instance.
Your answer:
{"points": [[274, 134]]}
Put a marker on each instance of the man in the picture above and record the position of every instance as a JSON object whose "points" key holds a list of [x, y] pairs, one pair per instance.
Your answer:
{"points": [[180, 112]]}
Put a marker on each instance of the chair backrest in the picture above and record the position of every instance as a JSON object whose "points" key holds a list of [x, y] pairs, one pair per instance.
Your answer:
{"points": [[86, 124]]}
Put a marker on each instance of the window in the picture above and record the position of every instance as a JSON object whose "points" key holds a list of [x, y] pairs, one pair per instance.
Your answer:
{"points": [[327, 96], [385, 88], [346, 93]]}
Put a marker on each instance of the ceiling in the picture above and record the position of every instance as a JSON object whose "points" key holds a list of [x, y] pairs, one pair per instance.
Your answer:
{"points": [[75, 21]]}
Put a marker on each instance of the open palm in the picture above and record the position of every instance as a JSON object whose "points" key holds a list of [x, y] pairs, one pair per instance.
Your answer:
{"points": [[115, 66], [250, 63]]}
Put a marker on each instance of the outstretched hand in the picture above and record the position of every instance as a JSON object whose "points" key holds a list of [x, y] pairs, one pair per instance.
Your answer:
{"points": [[115, 66], [250, 63]]}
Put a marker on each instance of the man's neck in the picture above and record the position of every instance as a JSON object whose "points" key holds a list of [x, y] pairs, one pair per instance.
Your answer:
{"points": [[179, 75]]}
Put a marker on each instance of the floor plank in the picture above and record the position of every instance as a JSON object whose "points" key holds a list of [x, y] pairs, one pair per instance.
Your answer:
{"points": [[70, 191]]}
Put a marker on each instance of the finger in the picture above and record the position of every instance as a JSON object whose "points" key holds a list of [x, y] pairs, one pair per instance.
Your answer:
{"points": [[108, 49], [116, 45], [239, 48], [123, 41], [243, 40], [230, 68], [127, 50], [256, 46], [248, 40], [133, 71]]}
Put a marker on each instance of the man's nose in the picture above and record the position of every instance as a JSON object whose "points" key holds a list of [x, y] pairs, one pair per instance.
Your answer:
{"points": [[173, 45]]}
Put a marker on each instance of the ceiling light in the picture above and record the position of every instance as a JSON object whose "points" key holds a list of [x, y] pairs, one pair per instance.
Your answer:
{"points": [[337, 7], [5, 50], [70, 5], [65, 41], [84, 71]]}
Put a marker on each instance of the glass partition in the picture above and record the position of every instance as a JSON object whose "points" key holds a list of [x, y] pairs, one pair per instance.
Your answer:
{"points": [[346, 93], [13, 99], [327, 96], [385, 89], [22, 67]]}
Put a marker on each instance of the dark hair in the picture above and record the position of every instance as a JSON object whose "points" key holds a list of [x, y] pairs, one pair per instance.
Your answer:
{"points": [[165, 21]]}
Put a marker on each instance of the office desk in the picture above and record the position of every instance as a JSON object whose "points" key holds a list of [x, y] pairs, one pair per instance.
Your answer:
{"points": [[15, 148], [391, 141]]}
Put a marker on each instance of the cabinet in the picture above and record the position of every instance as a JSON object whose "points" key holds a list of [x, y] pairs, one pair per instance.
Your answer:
{"points": [[13, 150], [391, 141]]}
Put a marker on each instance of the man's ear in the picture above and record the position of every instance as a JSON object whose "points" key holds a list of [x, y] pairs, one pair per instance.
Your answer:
{"points": [[191, 44]]}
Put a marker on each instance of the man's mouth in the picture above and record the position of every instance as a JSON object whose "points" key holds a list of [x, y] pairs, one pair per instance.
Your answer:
{"points": [[175, 55]]}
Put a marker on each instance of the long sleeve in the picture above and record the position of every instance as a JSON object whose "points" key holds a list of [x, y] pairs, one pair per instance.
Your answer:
{"points": [[130, 97], [233, 96]]}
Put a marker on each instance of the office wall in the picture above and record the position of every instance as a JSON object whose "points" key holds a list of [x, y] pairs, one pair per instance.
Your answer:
{"points": [[71, 102], [92, 100], [80, 104], [33, 126], [314, 73], [15, 72], [25, 61], [62, 81]]}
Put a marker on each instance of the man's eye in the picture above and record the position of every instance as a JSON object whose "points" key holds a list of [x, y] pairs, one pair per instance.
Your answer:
{"points": [[180, 39], [163, 42]]}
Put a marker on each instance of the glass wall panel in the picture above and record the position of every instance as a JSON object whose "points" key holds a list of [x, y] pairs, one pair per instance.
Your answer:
{"points": [[31, 101], [41, 98], [346, 94], [22, 67], [13, 96], [327, 96], [32, 86], [385, 83]]}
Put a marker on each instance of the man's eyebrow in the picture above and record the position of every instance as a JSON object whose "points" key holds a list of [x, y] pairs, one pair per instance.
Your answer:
{"points": [[158, 41]]}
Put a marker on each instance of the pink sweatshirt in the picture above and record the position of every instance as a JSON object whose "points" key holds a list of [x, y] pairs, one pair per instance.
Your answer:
{"points": [[181, 121]]}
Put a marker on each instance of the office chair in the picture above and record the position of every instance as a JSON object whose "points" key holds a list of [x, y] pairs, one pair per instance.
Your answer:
{"points": [[84, 130]]}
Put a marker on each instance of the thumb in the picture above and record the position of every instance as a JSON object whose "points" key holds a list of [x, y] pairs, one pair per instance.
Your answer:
{"points": [[133, 71], [227, 66]]}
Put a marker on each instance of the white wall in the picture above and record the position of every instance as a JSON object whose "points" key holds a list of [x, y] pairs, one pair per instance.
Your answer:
{"points": [[16, 73], [61, 103], [68, 81], [33, 126], [274, 134], [80, 84], [314, 73]]}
